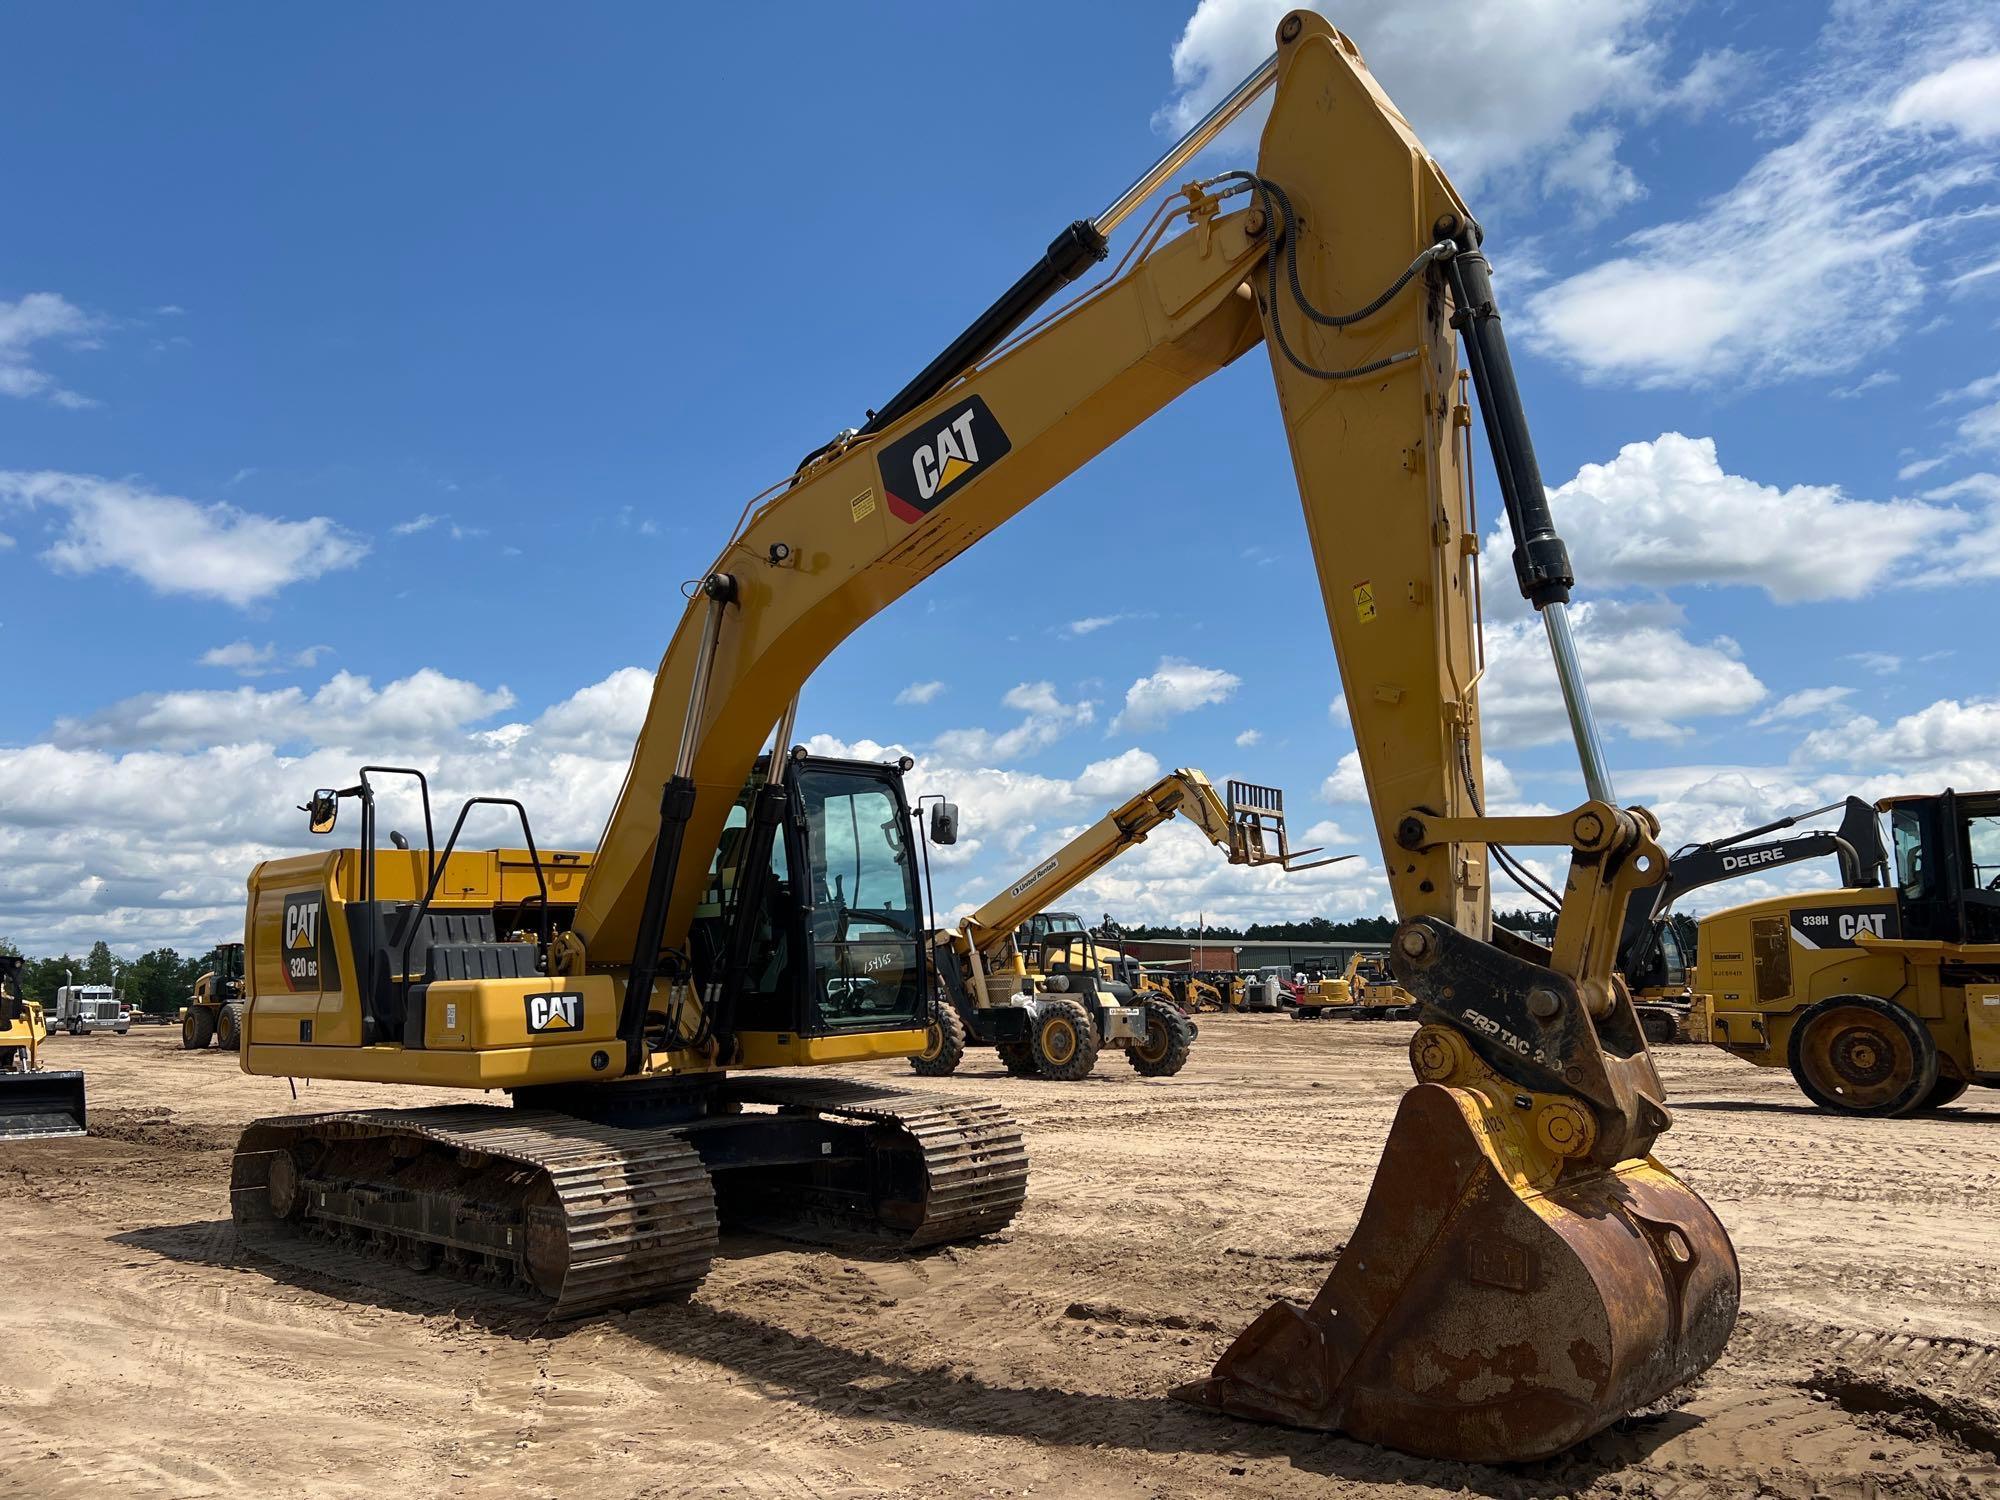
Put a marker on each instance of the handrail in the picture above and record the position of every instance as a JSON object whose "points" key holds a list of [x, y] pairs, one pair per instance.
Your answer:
{"points": [[430, 891]]}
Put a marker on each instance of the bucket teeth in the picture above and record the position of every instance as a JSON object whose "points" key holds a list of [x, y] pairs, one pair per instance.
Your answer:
{"points": [[1477, 1316]]}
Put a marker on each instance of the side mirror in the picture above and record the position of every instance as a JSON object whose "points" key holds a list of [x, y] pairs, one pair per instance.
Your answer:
{"points": [[323, 810], [944, 822]]}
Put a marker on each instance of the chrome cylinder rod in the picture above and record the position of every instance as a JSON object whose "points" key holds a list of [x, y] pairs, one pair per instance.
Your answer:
{"points": [[1206, 129], [720, 591], [1582, 722], [781, 739]]}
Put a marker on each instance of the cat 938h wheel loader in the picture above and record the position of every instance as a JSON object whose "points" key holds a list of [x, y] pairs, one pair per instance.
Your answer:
{"points": [[1882, 1000], [1052, 1002], [1524, 1271]]}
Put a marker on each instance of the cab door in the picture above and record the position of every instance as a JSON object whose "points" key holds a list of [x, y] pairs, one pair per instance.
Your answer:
{"points": [[865, 917]]}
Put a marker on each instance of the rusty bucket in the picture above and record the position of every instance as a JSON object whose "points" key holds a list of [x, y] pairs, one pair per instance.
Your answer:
{"points": [[1495, 1303]]}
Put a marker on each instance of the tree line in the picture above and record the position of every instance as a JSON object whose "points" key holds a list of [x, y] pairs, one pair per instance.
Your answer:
{"points": [[158, 982]]}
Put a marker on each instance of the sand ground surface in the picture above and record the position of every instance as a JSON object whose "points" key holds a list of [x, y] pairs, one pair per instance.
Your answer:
{"points": [[144, 1352]]}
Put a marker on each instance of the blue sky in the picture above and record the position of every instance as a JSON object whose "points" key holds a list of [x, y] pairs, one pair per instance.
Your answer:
{"points": [[370, 381]]}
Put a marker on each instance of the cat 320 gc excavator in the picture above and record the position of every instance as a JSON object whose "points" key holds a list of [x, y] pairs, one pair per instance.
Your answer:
{"points": [[1524, 1271]]}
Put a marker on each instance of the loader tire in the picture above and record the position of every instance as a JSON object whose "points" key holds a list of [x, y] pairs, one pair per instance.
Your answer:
{"points": [[1019, 1058], [944, 1045], [1862, 1055], [1064, 1042], [1169, 1039], [197, 1028], [229, 1028]]}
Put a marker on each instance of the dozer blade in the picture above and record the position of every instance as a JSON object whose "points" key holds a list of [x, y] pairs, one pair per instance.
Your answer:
{"points": [[1478, 1317], [41, 1104]]}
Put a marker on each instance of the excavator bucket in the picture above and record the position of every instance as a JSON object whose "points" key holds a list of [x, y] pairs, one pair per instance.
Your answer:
{"points": [[1477, 1316], [41, 1104]]}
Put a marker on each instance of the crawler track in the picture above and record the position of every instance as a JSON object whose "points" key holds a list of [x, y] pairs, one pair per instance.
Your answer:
{"points": [[583, 1216], [586, 1215], [974, 1164]]}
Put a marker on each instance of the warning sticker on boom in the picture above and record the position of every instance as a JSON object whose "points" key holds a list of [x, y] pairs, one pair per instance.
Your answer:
{"points": [[1364, 601]]}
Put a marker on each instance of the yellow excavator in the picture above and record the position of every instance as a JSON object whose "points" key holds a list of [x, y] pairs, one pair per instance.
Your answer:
{"points": [[1524, 1271], [1363, 991], [1036, 985], [34, 1101]]}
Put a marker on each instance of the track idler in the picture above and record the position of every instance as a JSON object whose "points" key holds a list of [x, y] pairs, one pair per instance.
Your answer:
{"points": [[1502, 1297]]}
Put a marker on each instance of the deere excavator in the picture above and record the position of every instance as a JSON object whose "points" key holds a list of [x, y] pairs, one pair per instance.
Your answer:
{"points": [[1881, 1000], [1033, 983], [1656, 967], [34, 1101], [1524, 1271]]}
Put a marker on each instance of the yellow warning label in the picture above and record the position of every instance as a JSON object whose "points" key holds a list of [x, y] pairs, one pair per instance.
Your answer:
{"points": [[863, 505], [1364, 601]]}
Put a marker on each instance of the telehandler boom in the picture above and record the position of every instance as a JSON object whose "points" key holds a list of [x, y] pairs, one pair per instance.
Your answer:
{"points": [[1050, 1017], [1524, 1272]]}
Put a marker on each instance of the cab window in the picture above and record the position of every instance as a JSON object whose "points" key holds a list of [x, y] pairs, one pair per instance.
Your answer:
{"points": [[1906, 831], [1981, 851], [866, 916]]}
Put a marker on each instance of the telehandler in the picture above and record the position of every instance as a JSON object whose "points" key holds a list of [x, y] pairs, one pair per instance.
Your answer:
{"points": [[34, 1101], [1881, 1001], [1034, 984], [1524, 1272], [215, 1011]]}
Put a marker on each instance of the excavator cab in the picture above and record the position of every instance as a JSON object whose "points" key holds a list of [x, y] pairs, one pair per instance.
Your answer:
{"points": [[835, 914]]}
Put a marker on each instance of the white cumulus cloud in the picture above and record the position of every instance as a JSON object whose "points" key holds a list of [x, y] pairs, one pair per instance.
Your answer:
{"points": [[1645, 677], [40, 317], [1665, 513], [1846, 213], [1963, 97], [1174, 687], [177, 545]]}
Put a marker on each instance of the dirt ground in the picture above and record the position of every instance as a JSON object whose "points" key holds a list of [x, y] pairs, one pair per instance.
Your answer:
{"points": [[143, 1353]]}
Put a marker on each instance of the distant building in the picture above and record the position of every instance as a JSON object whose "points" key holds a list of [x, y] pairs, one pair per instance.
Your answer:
{"points": [[1245, 953]]}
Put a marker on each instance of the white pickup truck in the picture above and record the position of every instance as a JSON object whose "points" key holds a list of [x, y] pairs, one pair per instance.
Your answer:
{"points": [[82, 1008]]}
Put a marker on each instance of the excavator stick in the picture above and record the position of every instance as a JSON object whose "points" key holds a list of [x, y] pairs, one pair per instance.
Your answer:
{"points": [[1474, 1317], [41, 1104], [1524, 1273]]}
